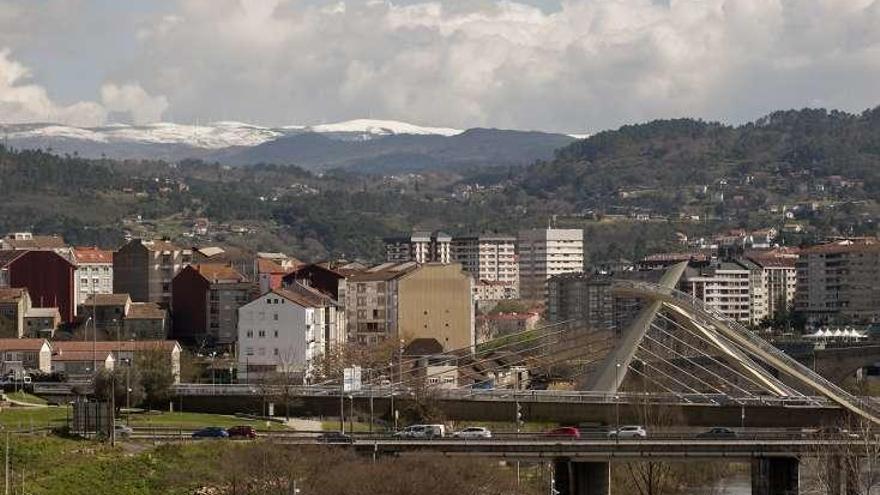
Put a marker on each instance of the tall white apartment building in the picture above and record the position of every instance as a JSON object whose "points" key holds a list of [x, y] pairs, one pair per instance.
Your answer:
{"points": [[489, 258], [421, 247], [724, 286], [544, 253], [779, 280], [94, 272]]}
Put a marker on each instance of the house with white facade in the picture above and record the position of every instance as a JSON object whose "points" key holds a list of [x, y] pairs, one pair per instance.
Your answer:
{"points": [[94, 272], [285, 330]]}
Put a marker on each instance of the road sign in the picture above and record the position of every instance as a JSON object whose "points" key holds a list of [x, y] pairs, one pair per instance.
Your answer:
{"points": [[351, 379]]}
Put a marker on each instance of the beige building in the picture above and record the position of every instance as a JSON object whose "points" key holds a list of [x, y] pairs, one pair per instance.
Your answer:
{"points": [[21, 355], [436, 301], [14, 305], [370, 300], [544, 253], [839, 282], [144, 269]]}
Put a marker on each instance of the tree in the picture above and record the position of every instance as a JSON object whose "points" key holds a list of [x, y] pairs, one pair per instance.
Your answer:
{"points": [[117, 383], [157, 377]]}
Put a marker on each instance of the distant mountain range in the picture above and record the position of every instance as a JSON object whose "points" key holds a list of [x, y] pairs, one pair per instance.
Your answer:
{"points": [[374, 146]]}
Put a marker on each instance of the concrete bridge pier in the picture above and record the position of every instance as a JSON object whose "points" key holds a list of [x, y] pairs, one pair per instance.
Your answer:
{"points": [[581, 478], [775, 476]]}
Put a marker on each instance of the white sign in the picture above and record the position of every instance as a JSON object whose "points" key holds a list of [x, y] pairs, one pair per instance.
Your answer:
{"points": [[351, 379]]}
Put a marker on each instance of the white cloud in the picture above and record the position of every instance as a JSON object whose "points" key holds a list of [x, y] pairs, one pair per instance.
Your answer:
{"points": [[134, 101], [24, 101], [584, 66]]}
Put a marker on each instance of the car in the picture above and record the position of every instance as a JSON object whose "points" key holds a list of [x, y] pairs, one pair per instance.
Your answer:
{"points": [[834, 431], [564, 432], [242, 431], [473, 432], [422, 431], [631, 431], [718, 432], [334, 437], [122, 431], [211, 432]]}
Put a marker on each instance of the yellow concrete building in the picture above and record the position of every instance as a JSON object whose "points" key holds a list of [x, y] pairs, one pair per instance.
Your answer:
{"points": [[436, 301]]}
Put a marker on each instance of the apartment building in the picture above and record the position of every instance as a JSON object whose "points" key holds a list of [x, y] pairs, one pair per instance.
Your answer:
{"points": [[14, 305], [205, 302], [47, 275], [421, 247], [285, 331], [544, 253], [94, 272], [144, 269], [586, 301], [779, 279], [491, 261], [725, 286], [839, 282], [410, 301], [370, 302]]}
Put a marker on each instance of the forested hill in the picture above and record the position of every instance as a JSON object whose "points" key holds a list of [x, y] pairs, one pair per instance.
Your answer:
{"points": [[668, 154]]}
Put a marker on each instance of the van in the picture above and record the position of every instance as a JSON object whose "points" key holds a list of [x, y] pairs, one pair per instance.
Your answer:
{"points": [[422, 431]]}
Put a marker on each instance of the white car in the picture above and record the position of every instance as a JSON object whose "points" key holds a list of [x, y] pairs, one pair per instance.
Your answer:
{"points": [[473, 432], [628, 432]]}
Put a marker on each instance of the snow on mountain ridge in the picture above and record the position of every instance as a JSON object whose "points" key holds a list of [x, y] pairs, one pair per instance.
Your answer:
{"points": [[214, 135]]}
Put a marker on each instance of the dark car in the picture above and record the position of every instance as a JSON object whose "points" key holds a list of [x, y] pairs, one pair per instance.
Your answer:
{"points": [[211, 432], [242, 432], [564, 432], [718, 433], [334, 437]]}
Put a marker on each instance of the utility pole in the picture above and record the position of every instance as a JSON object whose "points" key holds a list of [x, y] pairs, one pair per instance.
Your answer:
{"points": [[111, 424], [6, 477]]}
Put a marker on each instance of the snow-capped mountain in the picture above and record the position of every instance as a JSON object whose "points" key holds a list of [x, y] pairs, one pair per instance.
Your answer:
{"points": [[216, 135], [378, 146]]}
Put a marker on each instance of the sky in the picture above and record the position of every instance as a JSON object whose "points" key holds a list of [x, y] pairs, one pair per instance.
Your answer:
{"points": [[553, 65]]}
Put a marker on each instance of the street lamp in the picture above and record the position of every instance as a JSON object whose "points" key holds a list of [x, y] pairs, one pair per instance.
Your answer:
{"points": [[617, 398]]}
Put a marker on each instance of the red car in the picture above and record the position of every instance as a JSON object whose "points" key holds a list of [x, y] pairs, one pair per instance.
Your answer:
{"points": [[564, 432], [242, 432]]}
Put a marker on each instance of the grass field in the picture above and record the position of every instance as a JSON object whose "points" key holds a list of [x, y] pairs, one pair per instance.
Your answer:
{"points": [[26, 417], [188, 420], [26, 398]]}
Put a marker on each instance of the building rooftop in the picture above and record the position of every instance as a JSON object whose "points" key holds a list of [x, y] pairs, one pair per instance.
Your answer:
{"points": [[160, 245], [11, 295], [304, 296], [42, 313], [7, 257], [113, 345], [845, 246], [210, 251], [384, 271], [145, 311], [265, 265], [92, 255], [107, 300], [37, 242], [22, 344], [218, 273]]}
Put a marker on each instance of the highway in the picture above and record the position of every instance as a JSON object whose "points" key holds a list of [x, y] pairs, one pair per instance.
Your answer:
{"points": [[539, 446]]}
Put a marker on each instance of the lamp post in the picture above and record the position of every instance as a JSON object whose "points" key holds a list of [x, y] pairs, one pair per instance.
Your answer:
{"points": [[351, 414], [391, 383], [617, 398]]}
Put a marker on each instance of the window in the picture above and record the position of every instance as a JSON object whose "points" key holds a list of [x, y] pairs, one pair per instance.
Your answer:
{"points": [[250, 333], [275, 316], [276, 351], [249, 351], [276, 334], [261, 333]]}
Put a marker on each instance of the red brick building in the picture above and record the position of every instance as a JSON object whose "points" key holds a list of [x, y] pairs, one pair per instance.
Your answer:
{"points": [[48, 277]]}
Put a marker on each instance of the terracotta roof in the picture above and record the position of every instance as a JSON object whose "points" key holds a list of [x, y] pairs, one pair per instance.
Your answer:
{"points": [[37, 242], [160, 245], [99, 354], [92, 255], [304, 297], [11, 295], [860, 245], [218, 273], [770, 261], [145, 311], [268, 266], [107, 300], [113, 346], [21, 344]]}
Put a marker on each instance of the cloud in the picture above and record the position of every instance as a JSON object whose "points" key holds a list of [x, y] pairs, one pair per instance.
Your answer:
{"points": [[579, 65], [131, 99], [23, 101]]}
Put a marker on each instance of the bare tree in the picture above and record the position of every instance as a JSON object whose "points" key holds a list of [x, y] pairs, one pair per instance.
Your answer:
{"points": [[848, 456]]}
